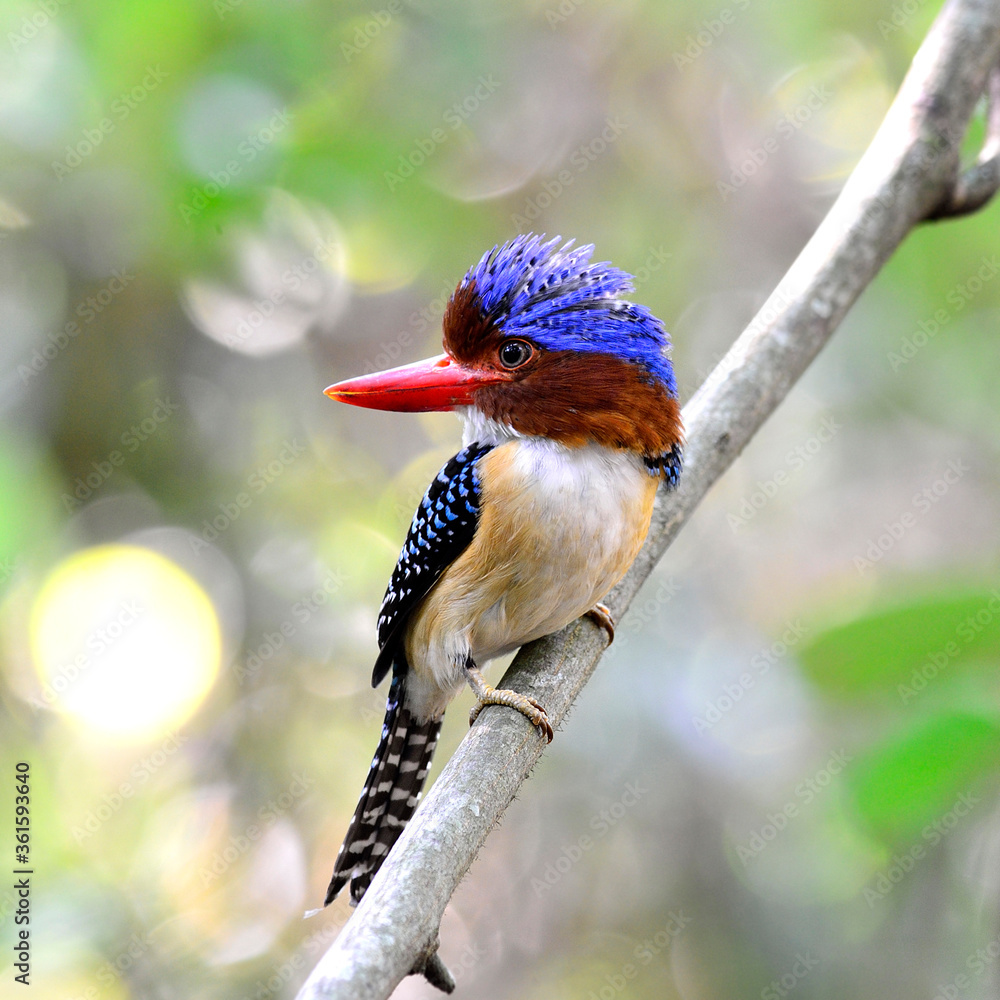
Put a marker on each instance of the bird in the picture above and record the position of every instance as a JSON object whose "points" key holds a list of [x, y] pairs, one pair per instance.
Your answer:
{"points": [[571, 424]]}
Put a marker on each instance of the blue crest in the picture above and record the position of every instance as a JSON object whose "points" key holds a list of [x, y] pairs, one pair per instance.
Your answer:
{"points": [[557, 298]]}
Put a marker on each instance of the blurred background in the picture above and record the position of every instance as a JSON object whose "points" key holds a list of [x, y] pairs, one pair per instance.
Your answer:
{"points": [[782, 778]]}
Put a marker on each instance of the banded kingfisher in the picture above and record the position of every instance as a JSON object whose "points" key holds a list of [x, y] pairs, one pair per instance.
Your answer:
{"points": [[571, 423]]}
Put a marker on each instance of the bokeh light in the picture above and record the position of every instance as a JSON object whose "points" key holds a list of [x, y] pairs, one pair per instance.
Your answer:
{"points": [[124, 641]]}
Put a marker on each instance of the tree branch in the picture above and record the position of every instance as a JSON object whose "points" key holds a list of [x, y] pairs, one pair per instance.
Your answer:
{"points": [[910, 172]]}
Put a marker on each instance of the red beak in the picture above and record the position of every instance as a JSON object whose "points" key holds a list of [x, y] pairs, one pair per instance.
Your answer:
{"points": [[439, 383]]}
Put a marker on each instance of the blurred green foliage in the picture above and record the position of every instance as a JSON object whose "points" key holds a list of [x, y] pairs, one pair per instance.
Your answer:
{"points": [[908, 782], [895, 653]]}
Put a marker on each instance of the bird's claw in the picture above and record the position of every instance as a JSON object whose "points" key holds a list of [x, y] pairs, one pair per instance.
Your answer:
{"points": [[601, 615], [528, 707]]}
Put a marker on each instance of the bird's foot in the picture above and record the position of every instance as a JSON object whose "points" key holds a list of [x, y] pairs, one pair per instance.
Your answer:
{"points": [[528, 707], [602, 616], [489, 695]]}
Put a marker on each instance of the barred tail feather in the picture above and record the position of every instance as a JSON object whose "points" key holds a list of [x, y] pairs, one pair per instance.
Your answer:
{"points": [[390, 796]]}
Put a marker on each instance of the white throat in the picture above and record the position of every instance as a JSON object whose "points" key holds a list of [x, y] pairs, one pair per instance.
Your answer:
{"points": [[484, 429]]}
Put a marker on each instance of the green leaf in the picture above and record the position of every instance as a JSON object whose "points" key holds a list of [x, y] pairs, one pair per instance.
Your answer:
{"points": [[888, 651], [914, 785]]}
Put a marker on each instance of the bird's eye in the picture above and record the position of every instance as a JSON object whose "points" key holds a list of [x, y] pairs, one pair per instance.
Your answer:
{"points": [[514, 353]]}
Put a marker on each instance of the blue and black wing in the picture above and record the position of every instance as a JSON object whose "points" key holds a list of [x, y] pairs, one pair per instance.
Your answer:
{"points": [[441, 530], [668, 465]]}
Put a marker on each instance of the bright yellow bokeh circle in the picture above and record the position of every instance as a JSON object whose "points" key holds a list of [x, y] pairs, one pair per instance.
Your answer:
{"points": [[125, 641]]}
